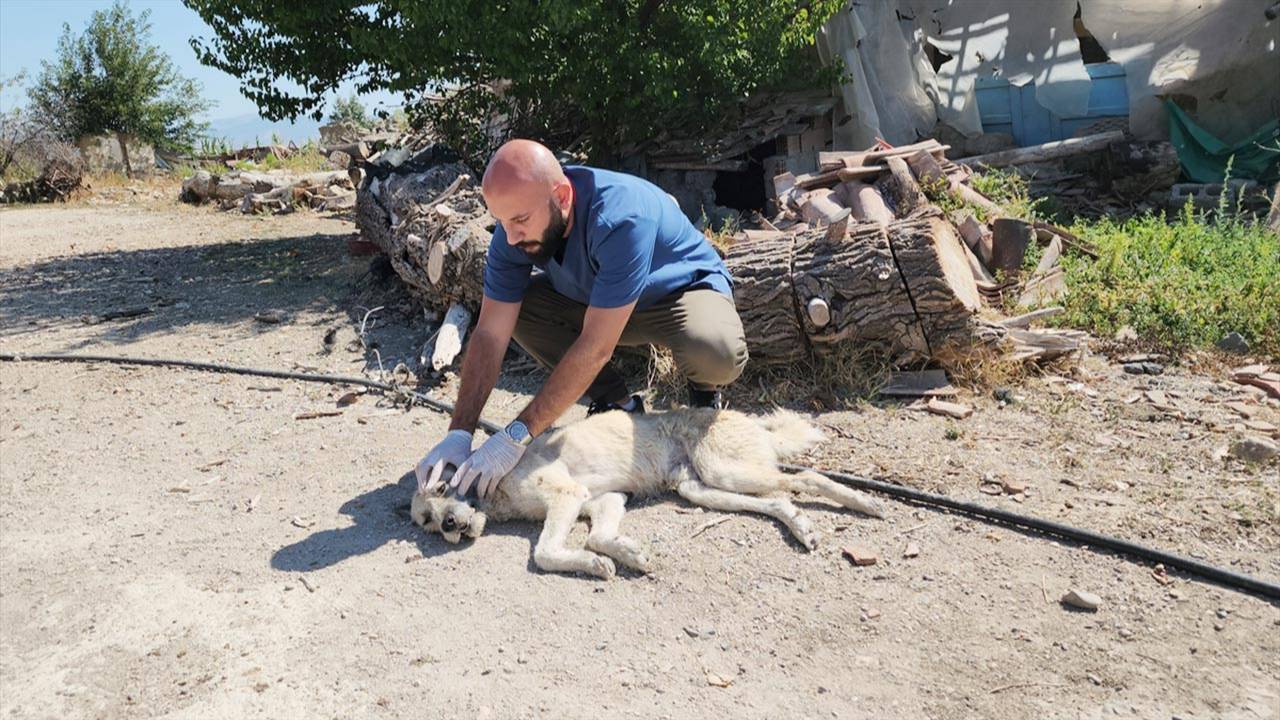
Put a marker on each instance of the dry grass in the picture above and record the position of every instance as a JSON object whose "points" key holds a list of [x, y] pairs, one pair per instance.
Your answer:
{"points": [[844, 379]]}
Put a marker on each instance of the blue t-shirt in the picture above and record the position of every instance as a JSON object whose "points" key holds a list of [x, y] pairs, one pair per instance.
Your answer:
{"points": [[629, 241]]}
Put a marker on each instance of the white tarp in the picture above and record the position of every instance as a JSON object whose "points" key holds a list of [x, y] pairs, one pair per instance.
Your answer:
{"points": [[1219, 56]]}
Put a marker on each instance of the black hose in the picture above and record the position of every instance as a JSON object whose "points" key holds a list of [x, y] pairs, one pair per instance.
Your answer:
{"points": [[1190, 566], [1049, 527], [239, 370]]}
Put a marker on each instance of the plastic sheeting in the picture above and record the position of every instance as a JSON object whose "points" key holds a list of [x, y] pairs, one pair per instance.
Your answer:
{"points": [[1219, 58], [885, 95]]}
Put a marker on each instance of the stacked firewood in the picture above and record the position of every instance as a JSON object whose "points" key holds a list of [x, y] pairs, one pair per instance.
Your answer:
{"points": [[276, 191], [855, 254], [866, 257]]}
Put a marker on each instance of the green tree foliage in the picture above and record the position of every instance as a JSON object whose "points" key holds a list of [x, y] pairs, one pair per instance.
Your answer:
{"points": [[111, 79], [619, 70], [348, 110]]}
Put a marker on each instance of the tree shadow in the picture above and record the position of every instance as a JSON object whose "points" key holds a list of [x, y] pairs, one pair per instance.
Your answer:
{"points": [[123, 295]]}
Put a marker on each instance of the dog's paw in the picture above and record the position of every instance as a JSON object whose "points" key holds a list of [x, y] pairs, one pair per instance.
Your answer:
{"points": [[602, 567], [637, 561], [802, 528]]}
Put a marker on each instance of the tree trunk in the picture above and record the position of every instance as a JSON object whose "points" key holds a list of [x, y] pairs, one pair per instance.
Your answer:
{"points": [[124, 154]]}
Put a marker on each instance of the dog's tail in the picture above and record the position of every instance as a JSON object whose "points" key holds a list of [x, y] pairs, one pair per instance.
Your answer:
{"points": [[790, 433]]}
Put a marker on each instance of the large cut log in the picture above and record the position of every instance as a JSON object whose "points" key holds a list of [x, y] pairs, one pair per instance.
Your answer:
{"points": [[903, 285], [766, 299], [931, 258], [866, 299]]}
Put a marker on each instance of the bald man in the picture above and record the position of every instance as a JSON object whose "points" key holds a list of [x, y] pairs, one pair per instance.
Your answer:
{"points": [[619, 264]]}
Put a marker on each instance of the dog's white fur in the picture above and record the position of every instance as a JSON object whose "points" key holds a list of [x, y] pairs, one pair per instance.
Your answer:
{"points": [[719, 459]]}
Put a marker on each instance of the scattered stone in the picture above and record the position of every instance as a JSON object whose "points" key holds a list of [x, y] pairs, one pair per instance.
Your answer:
{"points": [[991, 489], [1219, 626], [1261, 426], [271, 317], [1126, 633], [913, 550], [1243, 409], [1126, 334], [1222, 613], [1082, 600], [1254, 450], [1013, 487], [720, 680], [1143, 368], [949, 409], [300, 523], [1004, 395], [1234, 342], [860, 556]]}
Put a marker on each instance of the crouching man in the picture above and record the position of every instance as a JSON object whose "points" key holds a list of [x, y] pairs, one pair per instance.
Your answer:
{"points": [[620, 265]]}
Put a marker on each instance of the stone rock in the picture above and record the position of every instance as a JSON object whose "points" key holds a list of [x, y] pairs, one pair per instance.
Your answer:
{"points": [[1234, 342], [1143, 368], [1082, 600], [1254, 450], [913, 550], [860, 555]]}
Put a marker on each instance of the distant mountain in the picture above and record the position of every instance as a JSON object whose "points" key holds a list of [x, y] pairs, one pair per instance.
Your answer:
{"points": [[251, 129]]}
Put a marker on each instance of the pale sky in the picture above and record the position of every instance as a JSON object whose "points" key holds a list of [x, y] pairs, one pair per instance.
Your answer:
{"points": [[29, 31]]}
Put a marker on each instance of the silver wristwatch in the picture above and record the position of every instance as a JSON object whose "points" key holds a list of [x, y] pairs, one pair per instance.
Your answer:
{"points": [[519, 432]]}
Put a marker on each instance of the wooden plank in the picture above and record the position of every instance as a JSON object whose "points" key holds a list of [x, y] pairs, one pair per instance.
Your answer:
{"points": [[1046, 151], [832, 159]]}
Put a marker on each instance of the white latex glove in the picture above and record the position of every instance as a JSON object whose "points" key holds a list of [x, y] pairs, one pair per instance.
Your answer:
{"points": [[453, 450], [488, 464]]}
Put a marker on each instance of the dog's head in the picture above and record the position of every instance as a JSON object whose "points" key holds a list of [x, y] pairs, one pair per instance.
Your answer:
{"points": [[447, 514]]}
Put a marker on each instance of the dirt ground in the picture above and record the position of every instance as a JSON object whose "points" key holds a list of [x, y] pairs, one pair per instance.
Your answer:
{"points": [[181, 544]]}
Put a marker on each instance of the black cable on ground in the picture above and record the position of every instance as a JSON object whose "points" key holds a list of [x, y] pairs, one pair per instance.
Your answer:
{"points": [[1190, 566], [238, 370], [1171, 561]]}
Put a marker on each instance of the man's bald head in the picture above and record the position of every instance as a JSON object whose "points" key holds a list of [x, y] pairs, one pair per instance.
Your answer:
{"points": [[522, 165], [526, 190]]}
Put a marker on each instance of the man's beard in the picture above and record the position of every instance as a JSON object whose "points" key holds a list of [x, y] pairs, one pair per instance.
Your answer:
{"points": [[552, 240]]}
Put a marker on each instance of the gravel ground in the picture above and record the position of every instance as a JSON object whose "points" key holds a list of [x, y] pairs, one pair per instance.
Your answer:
{"points": [[181, 544]]}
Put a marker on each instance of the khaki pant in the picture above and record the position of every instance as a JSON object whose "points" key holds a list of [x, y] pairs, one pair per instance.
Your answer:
{"points": [[701, 328]]}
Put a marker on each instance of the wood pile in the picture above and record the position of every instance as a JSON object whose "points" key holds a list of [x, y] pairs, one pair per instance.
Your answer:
{"points": [[873, 260], [276, 191], [856, 253], [62, 171]]}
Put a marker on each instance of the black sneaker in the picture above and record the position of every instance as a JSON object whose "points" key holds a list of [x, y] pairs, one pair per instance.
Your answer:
{"points": [[705, 398], [599, 407]]}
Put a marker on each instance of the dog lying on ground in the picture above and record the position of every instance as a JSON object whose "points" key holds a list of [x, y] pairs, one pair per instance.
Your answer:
{"points": [[719, 459]]}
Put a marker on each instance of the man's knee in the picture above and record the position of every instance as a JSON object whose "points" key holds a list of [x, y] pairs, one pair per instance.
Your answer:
{"points": [[713, 359]]}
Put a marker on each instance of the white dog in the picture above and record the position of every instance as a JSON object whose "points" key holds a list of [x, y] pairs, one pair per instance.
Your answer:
{"points": [[718, 459]]}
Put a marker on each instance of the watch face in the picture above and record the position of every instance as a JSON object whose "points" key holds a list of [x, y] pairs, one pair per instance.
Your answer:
{"points": [[519, 432]]}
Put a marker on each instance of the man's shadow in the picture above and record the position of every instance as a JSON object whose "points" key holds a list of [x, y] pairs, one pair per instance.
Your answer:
{"points": [[380, 516]]}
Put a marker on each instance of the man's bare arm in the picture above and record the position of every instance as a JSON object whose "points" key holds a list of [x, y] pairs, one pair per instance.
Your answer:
{"points": [[601, 329], [483, 361]]}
